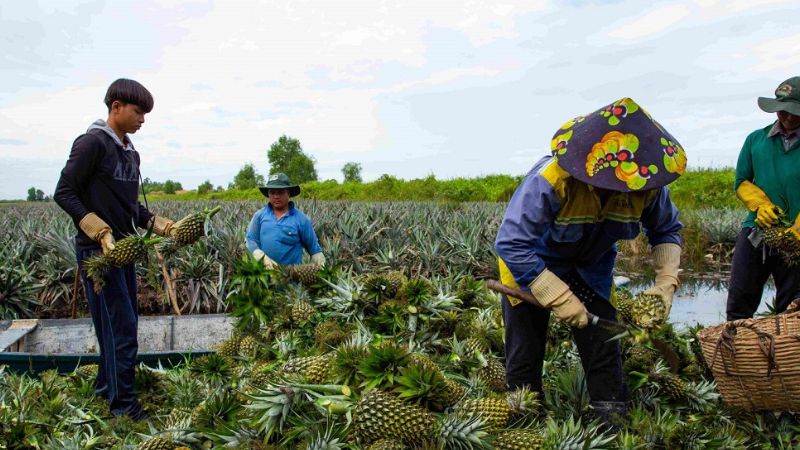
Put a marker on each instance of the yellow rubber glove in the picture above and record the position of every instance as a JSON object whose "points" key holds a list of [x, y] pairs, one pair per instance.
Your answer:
{"points": [[268, 262], [555, 295], [795, 229], [666, 260], [98, 231], [162, 226], [756, 200]]}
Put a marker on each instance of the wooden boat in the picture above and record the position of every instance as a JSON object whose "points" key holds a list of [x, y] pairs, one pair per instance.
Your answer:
{"points": [[36, 345]]}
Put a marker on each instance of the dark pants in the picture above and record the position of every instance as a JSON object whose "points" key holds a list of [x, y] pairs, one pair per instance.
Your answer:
{"points": [[749, 272], [115, 317], [526, 337]]}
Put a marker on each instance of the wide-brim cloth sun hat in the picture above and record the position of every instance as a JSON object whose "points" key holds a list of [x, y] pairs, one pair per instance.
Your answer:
{"points": [[279, 181], [787, 98], [619, 147]]}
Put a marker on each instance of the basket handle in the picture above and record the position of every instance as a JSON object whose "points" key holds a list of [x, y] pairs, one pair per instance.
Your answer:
{"points": [[793, 307], [726, 341]]}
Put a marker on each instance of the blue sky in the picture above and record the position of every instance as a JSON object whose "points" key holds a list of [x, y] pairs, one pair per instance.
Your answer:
{"points": [[450, 88]]}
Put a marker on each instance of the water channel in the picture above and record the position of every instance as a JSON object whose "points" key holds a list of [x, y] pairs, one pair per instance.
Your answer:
{"points": [[703, 302]]}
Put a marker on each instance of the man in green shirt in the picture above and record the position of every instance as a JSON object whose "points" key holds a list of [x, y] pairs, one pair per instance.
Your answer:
{"points": [[768, 183]]}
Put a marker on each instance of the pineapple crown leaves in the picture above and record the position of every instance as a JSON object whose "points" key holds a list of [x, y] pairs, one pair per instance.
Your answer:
{"points": [[213, 367], [270, 407], [252, 301], [383, 364], [571, 434], [346, 362], [462, 433], [469, 290], [221, 409], [177, 431], [524, 403], [465, 355], [417, 290], [377, 288], [394, 316], [347, 293], [702, 395], [78, 439], [320, 440], [423, 385], [436, 306], [274, 405]]}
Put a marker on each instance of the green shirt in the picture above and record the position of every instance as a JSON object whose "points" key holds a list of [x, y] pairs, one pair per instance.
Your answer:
{"points": [[776, 170]]}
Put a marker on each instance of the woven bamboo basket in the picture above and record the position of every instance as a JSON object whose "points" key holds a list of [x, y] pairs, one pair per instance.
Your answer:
{"points": [[756, 362]]}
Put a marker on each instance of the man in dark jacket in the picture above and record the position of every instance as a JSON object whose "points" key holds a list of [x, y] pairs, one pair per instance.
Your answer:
{"points": [[99, 189]]}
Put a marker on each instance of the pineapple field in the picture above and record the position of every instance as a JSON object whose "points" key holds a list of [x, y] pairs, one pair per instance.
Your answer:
{"points": [[396, 344], [420, 238]]}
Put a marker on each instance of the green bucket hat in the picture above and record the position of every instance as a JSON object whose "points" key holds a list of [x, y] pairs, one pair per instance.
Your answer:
{"points": [[279, 181], [619, 147], [787, 98]]}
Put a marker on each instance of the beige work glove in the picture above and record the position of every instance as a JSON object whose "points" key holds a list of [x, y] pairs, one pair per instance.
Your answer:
{"points": [[756, 200], [162, 226], [556, 296], [318, 259], [266, 260], [666, 259], [98, 231]]}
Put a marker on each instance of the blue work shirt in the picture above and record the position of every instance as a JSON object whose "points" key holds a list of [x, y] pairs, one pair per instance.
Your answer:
{"points": [[557, 222], [282, 239]]}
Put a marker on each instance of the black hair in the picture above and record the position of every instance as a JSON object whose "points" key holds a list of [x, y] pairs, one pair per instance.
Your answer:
{"points": [[129, 91]]}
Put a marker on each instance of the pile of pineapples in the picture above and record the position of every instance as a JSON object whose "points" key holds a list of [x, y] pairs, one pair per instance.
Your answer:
{"points": [[379, 360]]}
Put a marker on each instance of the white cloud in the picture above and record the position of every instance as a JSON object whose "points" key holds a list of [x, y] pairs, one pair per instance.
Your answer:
{"points": [[778, 54], [408, 88], [650, 23]]}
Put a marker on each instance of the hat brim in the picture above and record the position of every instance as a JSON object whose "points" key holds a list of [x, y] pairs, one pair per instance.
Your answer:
{"points": [[293, 190], [772, 105]]}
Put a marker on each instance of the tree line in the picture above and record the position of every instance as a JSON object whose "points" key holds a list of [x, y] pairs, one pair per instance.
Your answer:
{"points": [[285, 155]]}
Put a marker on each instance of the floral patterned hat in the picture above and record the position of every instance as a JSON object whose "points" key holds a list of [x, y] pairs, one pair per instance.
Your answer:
{"points": [[619, 147]]}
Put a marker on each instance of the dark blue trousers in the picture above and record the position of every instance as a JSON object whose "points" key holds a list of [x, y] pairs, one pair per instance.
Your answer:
{"points": [[750, 270], [115, 317], [526, 338]]}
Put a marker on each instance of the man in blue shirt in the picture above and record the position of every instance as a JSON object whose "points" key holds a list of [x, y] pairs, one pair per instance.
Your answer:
{"points": [[605, 181], [279, 232]]}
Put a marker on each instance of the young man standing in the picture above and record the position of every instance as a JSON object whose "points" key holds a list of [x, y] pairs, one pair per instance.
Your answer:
{"points": [[278, 233], [767, 180], [99, 189]]}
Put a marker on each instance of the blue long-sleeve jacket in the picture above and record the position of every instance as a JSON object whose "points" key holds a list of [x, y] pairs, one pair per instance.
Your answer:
{"points": [[282, 239], [556, 222]]}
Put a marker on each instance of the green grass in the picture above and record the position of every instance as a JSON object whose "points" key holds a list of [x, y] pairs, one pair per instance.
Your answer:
{"points": [[695, 189], [705, 188]]}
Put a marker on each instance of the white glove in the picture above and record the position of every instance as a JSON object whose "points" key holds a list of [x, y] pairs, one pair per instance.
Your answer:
{"points": [[554, 294], [666, 259], [318, 259], [268, 262]]}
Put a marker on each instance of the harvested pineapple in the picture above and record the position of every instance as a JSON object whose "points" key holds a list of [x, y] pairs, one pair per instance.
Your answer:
{"points": [[126, 251], [643, 310], [379, 415]]}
